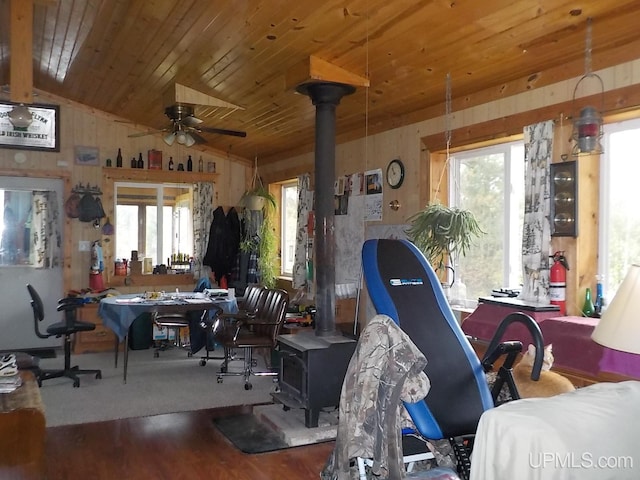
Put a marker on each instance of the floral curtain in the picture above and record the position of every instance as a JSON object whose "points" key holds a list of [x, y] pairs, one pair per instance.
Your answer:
{"points": [[536, 236], [202, 218], [304, 243], [46, 238]]}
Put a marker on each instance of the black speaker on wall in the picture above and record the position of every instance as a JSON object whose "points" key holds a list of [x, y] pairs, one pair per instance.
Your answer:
{"points": [[564, 199]]}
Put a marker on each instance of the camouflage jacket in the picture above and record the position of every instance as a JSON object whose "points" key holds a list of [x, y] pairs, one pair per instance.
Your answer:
{"points": [[386, 369]]}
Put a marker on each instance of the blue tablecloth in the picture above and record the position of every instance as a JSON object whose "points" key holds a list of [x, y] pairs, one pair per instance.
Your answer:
{"points": [[118, 315]]}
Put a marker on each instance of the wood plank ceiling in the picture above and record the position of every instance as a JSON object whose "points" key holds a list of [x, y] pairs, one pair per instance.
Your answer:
{"points": [[122, 56]]}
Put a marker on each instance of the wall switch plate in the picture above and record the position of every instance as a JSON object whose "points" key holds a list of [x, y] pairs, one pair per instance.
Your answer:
{"points": [[84, 246]]}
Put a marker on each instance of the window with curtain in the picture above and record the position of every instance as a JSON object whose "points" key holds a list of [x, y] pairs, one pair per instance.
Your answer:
{"points": [[489, 182], [289, 217], [619, 199]]}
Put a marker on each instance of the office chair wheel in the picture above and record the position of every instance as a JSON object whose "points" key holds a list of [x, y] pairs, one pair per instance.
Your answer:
{"points": [[219, 379], [285, 408], [156, 355], [203, 363], [99, 376], [223, 369], [76, 383], [189, 354], [248, 386]]}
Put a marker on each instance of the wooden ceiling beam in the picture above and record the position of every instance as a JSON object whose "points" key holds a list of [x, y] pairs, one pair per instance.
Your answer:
{"points": [[178, 93], [314, 69], [21, 51]]}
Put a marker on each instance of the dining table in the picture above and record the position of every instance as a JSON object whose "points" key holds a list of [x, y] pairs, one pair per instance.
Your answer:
{"points": [[119, 312]]}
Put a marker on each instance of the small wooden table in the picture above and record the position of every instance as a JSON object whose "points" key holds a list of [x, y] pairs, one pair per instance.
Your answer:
{"points": [[22, 431]]}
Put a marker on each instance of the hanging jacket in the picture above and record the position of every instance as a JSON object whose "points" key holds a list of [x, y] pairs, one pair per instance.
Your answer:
{"points": [[224, 242]]}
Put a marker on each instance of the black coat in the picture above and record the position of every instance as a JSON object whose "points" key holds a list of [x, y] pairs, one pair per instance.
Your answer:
{"points": [[224, 242]]}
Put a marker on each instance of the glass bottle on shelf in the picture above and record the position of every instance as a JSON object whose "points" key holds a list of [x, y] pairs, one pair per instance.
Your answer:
{"points": [[134, 163], [189, 164], [599, 301], [170, 163], [140, 161], [119, 159], [200, 164], [587, 308]]}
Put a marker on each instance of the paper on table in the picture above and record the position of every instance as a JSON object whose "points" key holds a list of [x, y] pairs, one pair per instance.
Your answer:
{"points": [[196, 300], [130, 300]]}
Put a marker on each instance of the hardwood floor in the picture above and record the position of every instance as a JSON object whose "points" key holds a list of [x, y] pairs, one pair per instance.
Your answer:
{"points": [[174, 446]]}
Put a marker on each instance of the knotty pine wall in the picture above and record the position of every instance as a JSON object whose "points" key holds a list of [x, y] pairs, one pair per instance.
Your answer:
{"points": [[80, 125], [421, 145]]}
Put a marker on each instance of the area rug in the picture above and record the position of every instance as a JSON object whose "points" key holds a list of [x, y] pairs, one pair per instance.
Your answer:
{"points": [[250, 435], [272, 427], [171, 383]]}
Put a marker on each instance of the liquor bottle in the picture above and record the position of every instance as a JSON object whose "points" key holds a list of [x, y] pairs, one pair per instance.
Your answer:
{"points": [[134, 164], [587, 308], [170, 163], [189, 164], [200, 164], [599, 302], [119, 159], [140, 161]]}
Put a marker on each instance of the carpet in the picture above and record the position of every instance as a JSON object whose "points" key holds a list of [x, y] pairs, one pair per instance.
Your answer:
{"points": [[171, 383]]}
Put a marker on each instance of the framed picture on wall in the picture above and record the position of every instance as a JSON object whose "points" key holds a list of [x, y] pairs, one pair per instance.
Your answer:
{"points": [[30, 127], [87, 155]]}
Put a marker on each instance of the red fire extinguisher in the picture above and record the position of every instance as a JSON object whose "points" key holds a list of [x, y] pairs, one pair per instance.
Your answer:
{"points": [[558, 281]]}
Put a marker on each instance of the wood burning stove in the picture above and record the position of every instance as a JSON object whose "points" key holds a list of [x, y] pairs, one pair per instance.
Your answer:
{"points": [[312, 370]]}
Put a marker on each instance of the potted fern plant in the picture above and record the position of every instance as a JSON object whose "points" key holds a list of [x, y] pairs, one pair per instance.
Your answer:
{"points": [[443, 233]]}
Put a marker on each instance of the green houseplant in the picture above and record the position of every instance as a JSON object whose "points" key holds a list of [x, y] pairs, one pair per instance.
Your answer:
{"points": [[443, 233], [260, 207]]}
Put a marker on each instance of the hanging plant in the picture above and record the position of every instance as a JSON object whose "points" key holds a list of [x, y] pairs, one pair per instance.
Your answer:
{"points": [[443, 232], [258, 196]]}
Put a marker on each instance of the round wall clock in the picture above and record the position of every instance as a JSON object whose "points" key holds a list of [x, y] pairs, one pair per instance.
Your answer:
{"points": [[395, 173]]}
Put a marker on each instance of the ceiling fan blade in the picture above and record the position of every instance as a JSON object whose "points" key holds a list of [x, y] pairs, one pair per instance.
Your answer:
{"points": [[222, 131], [191, 121], [198, 138], [144, 134]]}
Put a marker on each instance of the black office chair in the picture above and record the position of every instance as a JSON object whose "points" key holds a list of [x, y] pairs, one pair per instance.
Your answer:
{"points": [[66, 328], [259, 331]]}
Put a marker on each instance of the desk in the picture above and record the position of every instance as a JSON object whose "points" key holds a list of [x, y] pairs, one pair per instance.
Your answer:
{"points": [[118, 313]]}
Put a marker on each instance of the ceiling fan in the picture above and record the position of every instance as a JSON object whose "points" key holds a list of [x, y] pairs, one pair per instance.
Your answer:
{"points": [[185, 127]]}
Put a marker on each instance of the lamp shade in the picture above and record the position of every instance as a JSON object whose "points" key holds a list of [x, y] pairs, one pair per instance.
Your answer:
{"points": [[619, 327], [189, 140], [169, 138]]}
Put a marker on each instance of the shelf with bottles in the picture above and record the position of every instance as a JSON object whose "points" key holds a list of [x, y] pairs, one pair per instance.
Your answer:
{"points": [[145, 175]]}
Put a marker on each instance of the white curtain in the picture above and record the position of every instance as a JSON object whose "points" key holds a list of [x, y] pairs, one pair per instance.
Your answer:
{"points": [[202, 218], [46, 238], [536, 236], [304, 244]]}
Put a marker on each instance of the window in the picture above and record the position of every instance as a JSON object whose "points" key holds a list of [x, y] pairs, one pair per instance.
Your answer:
{"points": [[158, 233], [619, 198], [490, 183], [289, 220]]}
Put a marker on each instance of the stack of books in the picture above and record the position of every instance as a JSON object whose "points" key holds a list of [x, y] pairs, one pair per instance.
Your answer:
{"points": [[9, 377]]}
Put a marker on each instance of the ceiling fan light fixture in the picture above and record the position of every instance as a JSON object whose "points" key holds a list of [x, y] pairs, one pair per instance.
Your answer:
{"points": [[20, 116], [189, 141], [169, 138], [181, 137]]}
